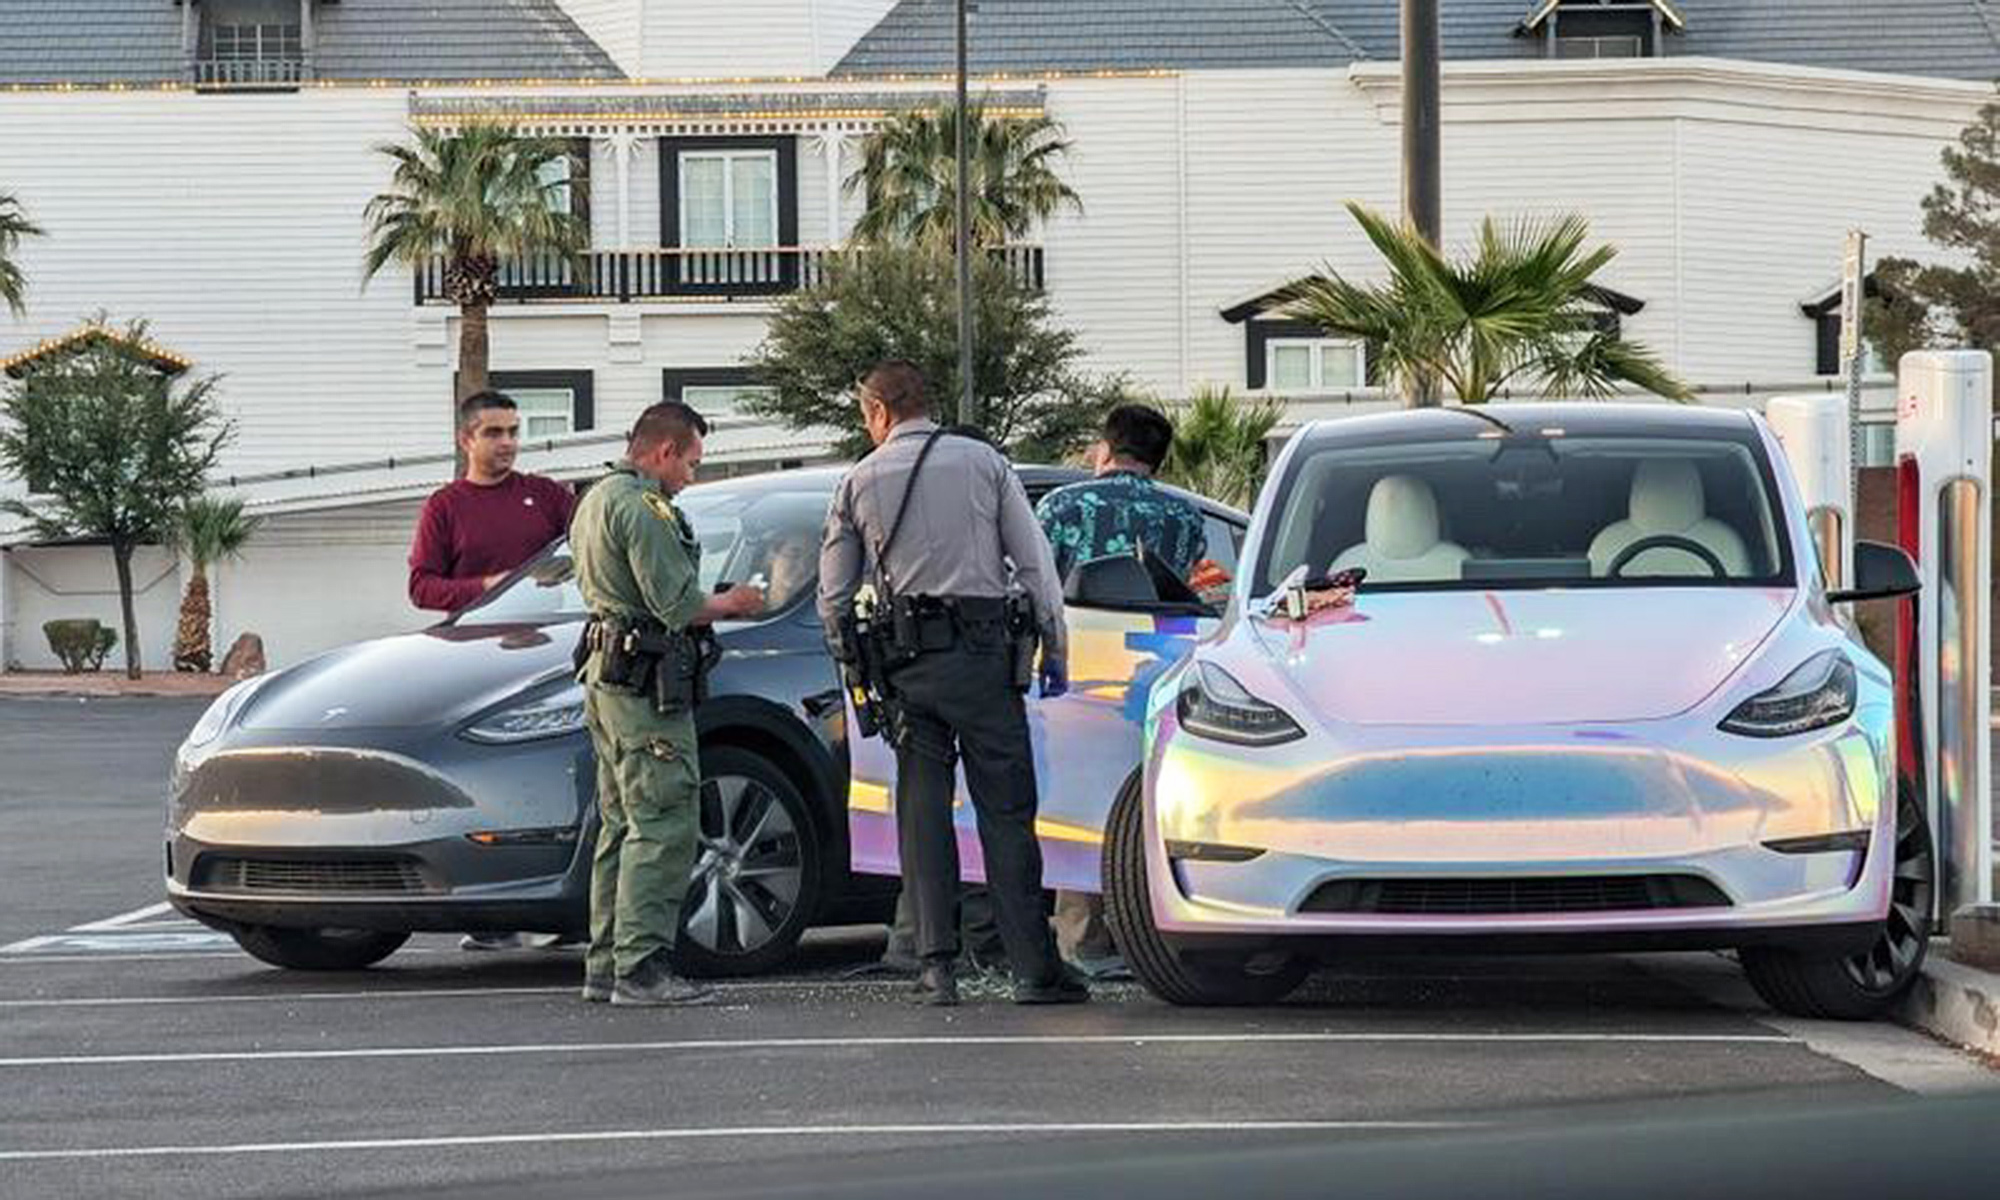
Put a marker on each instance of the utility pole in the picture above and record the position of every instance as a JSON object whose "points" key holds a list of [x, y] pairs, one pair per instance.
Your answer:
{"points": [[968, 400], [1422, 144]]}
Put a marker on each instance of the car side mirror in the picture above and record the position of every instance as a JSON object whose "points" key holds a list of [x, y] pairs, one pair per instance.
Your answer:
{"points": [[1881, 572], [1125, 583]]}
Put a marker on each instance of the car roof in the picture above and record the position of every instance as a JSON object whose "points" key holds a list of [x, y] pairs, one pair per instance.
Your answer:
{"points": [[1575, 418], [1036, 477]]}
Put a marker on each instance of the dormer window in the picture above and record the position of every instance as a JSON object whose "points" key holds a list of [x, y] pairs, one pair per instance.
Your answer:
{"points": [[1601, 28], [255, 44]]}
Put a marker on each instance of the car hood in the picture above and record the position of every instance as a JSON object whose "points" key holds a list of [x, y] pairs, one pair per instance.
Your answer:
{"points": [[440, 675], [1515, 658]]}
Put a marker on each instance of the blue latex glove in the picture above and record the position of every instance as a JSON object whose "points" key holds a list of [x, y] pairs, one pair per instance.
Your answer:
{"points": [[1054, 680]]}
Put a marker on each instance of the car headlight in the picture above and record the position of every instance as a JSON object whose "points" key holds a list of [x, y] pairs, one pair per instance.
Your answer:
{"points": [[549, 716], [221, 712], [1818, 694], [1213, 705]]}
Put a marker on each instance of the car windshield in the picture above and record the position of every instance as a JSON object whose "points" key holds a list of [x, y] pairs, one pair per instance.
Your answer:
{"points": [[1542, 510], [766, 527]]}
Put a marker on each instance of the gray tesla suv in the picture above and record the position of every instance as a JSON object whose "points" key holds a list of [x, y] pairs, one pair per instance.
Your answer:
{"points": [[442, 780]]}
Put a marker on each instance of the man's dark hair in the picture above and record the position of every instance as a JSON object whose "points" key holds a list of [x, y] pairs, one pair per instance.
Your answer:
{"points": [[478, 402], [667, 421], [1139, 432], [900, 386]]}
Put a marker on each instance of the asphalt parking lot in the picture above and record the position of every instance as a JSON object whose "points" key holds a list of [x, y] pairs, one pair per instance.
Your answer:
{"points": [[142, 1055]]}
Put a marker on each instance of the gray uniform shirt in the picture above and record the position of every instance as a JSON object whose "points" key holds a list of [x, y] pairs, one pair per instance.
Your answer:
{"points": [[969, 520]]}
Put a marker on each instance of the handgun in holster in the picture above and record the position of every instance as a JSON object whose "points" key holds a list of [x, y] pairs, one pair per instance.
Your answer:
{"points": [[1023, 640]]}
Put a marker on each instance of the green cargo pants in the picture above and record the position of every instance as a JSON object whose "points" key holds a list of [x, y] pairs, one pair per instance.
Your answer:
{"points": [[648, 805]]}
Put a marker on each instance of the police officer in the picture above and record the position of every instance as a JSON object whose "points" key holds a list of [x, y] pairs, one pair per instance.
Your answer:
{"points": [[946, 576], [636, 564]]}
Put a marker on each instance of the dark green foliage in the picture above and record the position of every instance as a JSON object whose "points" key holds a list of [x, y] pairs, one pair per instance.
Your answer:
{"points": [[115, 449], [14, 225], [900, 302], [80, 643], [1521, 308], [1923, 305], [909, 176]]}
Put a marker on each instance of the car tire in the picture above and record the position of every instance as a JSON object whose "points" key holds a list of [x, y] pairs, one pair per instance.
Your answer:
{"points": [[1128, 909], [1862, 986], [749, 904], [318, 949]]}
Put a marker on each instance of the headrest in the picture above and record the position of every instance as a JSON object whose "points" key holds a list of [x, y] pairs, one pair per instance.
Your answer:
{"points": [[1402, 517], [1667, 496]]}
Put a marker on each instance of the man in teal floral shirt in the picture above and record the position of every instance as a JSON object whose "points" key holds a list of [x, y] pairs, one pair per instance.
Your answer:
{"points": [[1117, 511], [1122, 507]]}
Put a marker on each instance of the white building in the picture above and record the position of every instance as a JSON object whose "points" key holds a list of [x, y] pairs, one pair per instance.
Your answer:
{"points": [[205, 165]]}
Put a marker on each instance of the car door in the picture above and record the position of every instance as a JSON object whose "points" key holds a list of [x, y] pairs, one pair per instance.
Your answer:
{"points": [[1087, 743]]}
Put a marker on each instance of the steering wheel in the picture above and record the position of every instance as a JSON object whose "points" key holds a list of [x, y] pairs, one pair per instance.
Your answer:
{"points": [[1665, 541]]}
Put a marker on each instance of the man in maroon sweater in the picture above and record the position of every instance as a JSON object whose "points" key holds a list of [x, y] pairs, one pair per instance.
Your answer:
{"points": [[475, 530]]}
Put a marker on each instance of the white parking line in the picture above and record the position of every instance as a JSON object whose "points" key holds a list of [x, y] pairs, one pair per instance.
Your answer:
{"points": [[851, 1043], [750, 1131], [138, 916], [423, 993]]}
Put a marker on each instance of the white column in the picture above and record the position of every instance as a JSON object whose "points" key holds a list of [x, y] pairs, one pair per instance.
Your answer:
{"points": [[831, 144], [623, 147]]}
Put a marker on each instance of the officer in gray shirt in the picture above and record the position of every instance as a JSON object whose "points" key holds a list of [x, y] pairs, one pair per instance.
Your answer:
{"points": [[967, 531]]}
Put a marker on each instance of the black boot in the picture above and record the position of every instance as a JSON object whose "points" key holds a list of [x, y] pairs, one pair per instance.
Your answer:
{"points": [[1065, 986], [937, 985]]}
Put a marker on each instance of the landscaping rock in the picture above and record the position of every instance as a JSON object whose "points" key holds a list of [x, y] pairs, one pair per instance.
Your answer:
{"points": [[245, 657]]}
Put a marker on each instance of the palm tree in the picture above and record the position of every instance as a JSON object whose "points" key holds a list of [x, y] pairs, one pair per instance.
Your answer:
{"points": [[1521, 309], [1218, 448], [909, 175], [473, 199], [208, 531], [14, 225]]}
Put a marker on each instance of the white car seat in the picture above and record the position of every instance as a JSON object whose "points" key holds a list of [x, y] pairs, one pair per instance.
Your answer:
{"points": [[1667, 500], [1403, 543]]}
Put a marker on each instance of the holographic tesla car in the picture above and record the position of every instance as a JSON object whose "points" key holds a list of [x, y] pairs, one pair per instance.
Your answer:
{"points": [[1591, 694]]}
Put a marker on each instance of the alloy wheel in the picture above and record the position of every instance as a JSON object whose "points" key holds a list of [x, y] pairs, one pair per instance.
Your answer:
{"points": [[1885, 965], [749, 870]]}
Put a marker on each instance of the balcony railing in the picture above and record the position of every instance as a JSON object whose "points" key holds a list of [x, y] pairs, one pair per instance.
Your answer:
{"points": [[249, 72], [679, 273]]}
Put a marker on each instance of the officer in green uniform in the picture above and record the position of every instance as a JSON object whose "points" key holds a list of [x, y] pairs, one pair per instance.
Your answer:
{"points": [[637, 566]]}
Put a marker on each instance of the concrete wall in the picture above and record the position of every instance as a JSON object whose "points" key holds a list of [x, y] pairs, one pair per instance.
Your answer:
{"points": [[60, 583]]}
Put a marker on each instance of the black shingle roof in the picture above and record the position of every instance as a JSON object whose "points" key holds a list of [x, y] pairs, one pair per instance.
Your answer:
{"points": [[139, 41], [1947, 38]]}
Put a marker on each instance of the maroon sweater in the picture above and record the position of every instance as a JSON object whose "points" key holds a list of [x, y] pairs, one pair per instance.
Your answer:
{"points": [[471, 530]]}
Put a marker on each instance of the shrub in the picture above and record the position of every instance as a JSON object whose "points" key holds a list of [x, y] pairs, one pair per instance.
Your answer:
{"points": [[81, 643]]}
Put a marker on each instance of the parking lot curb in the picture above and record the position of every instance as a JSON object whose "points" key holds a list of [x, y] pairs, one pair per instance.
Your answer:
{"points": [[1957, 1003], [96, 685]]}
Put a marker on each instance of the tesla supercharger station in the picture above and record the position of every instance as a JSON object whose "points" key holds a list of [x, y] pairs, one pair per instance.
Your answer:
{"points": [[1814, 430], [1944, 470]]}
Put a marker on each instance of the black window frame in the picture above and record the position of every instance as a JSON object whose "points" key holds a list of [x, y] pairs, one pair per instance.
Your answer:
{"points": [[582, 385], [786, 147]]}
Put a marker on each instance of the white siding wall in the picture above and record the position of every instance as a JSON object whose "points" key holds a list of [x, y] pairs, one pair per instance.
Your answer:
{"points": [[1764, 211], [1113, 270], [234, 224], [840, 24], [758, 39], [59, 583], [615, 25], [311, 581], [626, 378]]}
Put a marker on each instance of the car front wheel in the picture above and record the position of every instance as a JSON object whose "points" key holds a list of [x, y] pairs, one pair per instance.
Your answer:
{"points": [[1129, 910], [318, 949], [758, 867], [1862, 986]]}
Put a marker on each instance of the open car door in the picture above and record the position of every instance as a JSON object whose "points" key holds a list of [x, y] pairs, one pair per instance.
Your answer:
{"points": [[1122, 636]]}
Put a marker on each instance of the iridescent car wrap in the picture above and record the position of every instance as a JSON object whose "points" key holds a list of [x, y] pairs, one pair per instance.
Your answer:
{"points": [[1469, 741]]}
